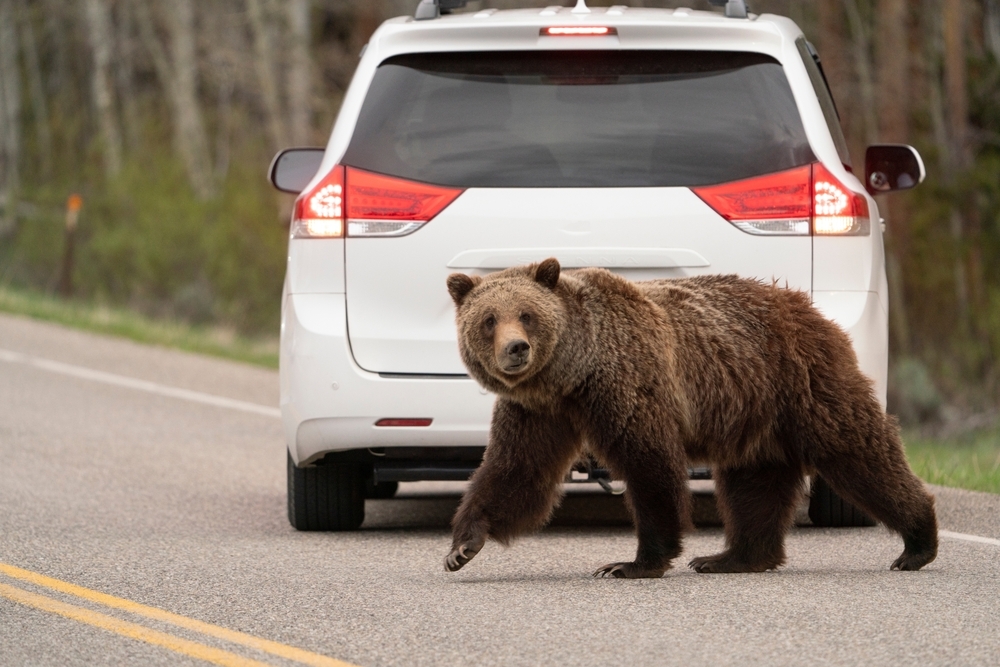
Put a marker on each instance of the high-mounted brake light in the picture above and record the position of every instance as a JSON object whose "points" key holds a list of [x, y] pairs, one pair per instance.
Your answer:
{"points": [[796, 202], [363, 203], [578, 31]]}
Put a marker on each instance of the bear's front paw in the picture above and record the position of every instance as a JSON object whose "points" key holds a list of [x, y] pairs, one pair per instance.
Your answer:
{"points": [[629, 571], [461, 555]]}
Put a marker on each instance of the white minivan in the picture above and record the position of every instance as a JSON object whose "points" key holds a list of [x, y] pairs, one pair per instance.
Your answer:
{"points": [[656, 143]]}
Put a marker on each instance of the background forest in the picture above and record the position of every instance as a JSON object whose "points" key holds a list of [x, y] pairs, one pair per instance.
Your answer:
{"points": [[163, 115]]}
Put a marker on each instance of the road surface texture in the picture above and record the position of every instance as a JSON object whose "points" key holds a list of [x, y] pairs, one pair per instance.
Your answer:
{"points": [[142, 521]]}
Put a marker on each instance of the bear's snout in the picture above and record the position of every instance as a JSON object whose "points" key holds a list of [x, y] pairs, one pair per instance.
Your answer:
{"points": [[514, 357]]}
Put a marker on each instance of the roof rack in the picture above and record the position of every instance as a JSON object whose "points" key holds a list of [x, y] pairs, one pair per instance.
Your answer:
{"points": [[735, 9], [431, 9]]}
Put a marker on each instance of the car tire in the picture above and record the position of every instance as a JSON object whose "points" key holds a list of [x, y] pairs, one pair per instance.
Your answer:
{"points": [[828, 510], [327, 497], [380, 491]]}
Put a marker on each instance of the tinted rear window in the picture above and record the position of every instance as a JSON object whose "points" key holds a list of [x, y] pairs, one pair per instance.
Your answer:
{"points": [[579, 119]]}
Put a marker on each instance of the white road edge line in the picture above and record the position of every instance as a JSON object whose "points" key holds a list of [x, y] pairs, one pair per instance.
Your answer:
{"points": [[133, 383], [969, 538]]}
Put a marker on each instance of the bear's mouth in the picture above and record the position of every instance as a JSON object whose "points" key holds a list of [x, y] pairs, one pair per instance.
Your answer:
{"points": [[514, 368]]}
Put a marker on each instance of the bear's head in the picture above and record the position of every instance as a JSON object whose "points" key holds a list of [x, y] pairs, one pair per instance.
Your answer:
{"points": [[508, 322]]}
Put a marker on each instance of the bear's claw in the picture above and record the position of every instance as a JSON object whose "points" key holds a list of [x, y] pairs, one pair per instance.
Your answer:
{"points": [[613, 569], [628, 571], [459, 557]]}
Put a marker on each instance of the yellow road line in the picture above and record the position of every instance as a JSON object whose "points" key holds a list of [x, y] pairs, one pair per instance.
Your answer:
{"points": [[130, 630], [241, 638]]}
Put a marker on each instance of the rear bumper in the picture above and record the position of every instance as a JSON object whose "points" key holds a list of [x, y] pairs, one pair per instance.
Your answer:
{"points": [[328, 403]]}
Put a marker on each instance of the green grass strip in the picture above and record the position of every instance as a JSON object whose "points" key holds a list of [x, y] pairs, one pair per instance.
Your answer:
{"points": [[969, 461], [214, 341]]}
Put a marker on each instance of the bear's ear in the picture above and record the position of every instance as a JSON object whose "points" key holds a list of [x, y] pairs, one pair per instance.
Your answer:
{"points": [[547, 272], [459, 285]]}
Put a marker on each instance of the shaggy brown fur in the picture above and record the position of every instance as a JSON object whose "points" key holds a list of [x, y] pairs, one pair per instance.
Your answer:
{"points": [[648, 376]]}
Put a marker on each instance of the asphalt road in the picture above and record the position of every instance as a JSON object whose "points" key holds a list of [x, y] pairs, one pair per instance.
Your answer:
{"points": [[141, 523]]}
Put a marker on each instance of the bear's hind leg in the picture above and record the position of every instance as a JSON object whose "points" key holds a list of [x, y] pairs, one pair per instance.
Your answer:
{"points": [[875, 477], [757, 504]]}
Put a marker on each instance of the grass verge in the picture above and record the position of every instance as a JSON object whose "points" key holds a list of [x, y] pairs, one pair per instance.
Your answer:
{"points": [[968, 461], [215, 341]]}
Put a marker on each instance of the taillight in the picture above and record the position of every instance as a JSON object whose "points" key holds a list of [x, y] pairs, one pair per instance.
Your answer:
{"points": [[771, 204], [367, 204], [794, 202], [319, 213], [837, 210], [380, 205]]}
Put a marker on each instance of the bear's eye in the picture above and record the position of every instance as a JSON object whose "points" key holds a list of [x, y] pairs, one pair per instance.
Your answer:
{"points": [[526, 319], [490, 322]]}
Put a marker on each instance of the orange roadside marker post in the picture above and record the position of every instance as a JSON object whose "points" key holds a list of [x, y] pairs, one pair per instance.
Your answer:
{"points": [[73, 206]]}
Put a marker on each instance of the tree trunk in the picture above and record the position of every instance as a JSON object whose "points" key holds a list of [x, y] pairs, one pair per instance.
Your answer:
{"points": [[299, 73], [39, 104], [893, 68], [57, 64], [100, 32], [188, 110], [224, 122], [261, 21], [833, 48], [991, 26], [178, 75], [125, 76], [959, 153], [966, 224], [10, 118], [861, 50], [955, 80]]}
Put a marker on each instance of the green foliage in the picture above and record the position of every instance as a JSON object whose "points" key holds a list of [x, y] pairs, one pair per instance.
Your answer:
{"points": [[147, 242], [952, 250], [970, 461], [913, 396]]}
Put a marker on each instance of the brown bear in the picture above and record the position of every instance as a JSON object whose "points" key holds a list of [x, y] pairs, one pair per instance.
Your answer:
{"points": [[648, 376]]}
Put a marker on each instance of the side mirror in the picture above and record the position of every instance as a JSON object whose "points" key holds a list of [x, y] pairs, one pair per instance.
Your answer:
{"points": [[293, 168], [891, 167]]}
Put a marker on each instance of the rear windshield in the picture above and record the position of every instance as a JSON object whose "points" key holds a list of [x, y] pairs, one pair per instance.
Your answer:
{"points": [[579, 119]]}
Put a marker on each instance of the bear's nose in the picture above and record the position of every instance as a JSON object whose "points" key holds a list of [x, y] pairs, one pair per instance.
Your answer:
{"points": [[516, 348]]}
